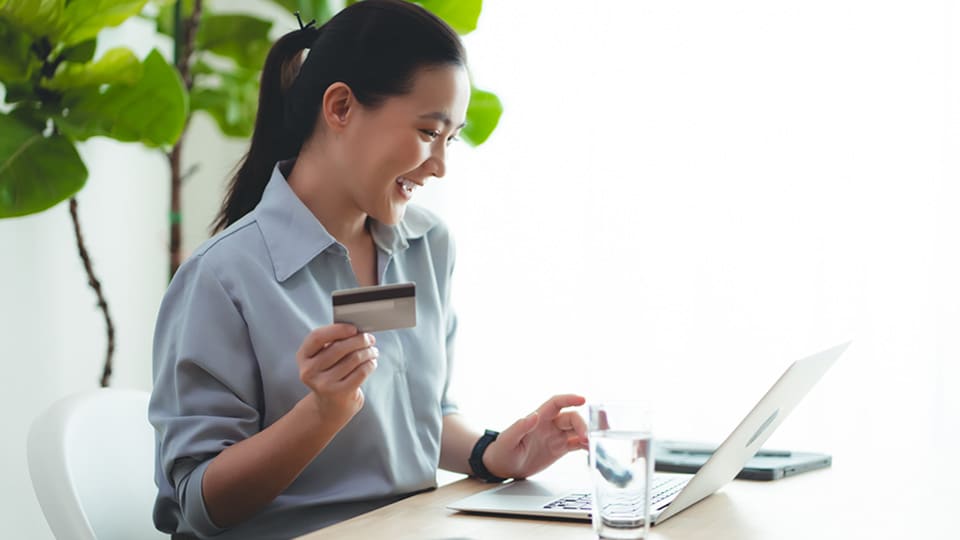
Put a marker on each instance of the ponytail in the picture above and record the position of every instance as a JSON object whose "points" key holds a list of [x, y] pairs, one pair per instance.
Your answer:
{"points": [[272, 140], [374, 46]]}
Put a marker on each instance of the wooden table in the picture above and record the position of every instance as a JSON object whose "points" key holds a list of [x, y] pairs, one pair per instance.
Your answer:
{"points": [[856, 498]]}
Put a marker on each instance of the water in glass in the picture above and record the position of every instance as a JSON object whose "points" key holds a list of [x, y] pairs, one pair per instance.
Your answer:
{"points": [[621, 464]]}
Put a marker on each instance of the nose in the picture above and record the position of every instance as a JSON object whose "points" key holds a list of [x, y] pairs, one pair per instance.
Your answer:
{"points": [[436, 163]]}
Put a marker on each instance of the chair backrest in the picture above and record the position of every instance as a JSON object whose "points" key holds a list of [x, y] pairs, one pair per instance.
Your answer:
{"points": [[91, 458]]}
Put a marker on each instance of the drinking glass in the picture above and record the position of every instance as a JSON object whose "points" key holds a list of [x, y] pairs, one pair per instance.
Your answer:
{"points": [[621, 468]]}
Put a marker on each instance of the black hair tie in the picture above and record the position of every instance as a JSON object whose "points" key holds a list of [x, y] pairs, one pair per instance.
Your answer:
{"points": [[307, 33], [299, 20]]}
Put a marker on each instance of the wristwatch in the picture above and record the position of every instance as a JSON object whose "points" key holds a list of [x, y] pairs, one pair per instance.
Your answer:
{"points": [[476, 457]]}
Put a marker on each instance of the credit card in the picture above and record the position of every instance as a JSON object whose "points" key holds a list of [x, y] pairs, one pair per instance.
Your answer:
{"points": [[378, 308]]}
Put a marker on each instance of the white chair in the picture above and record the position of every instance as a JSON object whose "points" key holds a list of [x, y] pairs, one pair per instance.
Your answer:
{"points": [[91, 458]]}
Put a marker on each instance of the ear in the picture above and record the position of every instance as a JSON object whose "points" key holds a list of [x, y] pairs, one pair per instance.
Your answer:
{"points": [[338, 105]]}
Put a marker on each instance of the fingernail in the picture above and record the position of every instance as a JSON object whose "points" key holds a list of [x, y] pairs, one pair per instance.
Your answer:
{"points": [[369, 338], [375, 351], [374, 362]]}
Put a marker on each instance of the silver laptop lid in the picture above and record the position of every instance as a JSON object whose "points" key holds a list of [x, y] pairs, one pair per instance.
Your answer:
{"points": [[755, 429]]}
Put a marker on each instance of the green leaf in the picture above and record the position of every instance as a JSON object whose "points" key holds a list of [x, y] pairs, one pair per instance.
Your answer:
{"points": [[153, 111], [118, 65], [229, 97], [83, 19], [36, 17], [80, 53], [241, 37], [165, 15], [36, 172], [483, 114], [15, 56], [31, 115], [18, 91], [461, 15], [164, 19]]}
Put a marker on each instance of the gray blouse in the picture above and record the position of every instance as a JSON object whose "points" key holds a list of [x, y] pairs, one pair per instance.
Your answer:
{"points": [[225, 365]]}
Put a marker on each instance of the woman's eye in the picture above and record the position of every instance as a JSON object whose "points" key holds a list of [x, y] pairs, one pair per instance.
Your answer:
{"points": [[452, 139], [430, 133]]}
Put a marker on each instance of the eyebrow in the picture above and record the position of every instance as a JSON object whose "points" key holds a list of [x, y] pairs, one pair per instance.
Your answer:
{"points": [[441, 117]]}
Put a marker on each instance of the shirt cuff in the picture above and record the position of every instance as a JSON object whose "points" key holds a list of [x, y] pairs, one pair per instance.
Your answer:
{"points": [[193, 506], [447, 409]]}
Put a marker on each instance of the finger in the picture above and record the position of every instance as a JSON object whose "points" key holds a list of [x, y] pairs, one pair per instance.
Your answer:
{"points": [[319, 338], [356, 377], [512, 436], [577, 443], [347, 364], [571, 421], [554, 405], [337, 350]]}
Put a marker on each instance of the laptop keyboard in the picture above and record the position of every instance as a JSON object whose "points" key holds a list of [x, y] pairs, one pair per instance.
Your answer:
{"points": [[663, 488]]}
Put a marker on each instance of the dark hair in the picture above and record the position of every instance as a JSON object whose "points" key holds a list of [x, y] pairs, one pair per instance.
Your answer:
{"points": [[375, 47]]}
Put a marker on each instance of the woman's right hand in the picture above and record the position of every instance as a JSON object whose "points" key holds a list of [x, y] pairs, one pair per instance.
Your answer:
{"points": [[334, 360]]}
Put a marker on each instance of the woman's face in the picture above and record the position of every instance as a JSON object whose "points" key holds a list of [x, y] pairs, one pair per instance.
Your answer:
{"points": [[396, 148]]}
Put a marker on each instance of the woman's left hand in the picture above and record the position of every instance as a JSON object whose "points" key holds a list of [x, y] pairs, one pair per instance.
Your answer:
{"points": [[532, 443]]}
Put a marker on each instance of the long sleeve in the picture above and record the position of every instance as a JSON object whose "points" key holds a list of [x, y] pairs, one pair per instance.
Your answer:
{"points": [[204, 362]]}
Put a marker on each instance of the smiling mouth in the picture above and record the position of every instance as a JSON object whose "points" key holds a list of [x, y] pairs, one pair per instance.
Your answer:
{"points": [[409, 186]]}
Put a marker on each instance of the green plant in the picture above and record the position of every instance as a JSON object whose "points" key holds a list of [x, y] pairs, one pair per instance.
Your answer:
{"points": [[57, 94]]}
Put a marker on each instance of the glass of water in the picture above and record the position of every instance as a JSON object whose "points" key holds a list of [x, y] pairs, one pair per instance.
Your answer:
{"points": [[621, 468]]}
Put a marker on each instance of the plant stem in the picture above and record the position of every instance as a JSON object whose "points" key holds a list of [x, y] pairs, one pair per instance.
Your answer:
{"points": [[183, 47], [176, 181], [190, 26], [95, 285]]}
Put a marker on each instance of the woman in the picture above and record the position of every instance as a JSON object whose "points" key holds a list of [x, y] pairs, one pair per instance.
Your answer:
{"points": [[271, 421]]}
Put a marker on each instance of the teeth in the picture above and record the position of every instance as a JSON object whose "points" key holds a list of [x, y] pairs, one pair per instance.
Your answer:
{"points": [[407, 185]]}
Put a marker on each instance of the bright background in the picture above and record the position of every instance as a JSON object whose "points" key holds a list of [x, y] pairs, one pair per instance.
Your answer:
{"points": [[682, 197]]}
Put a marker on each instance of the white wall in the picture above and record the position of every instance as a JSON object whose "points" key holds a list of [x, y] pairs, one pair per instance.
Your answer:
{"points": [[685, 196], [682, 197]]}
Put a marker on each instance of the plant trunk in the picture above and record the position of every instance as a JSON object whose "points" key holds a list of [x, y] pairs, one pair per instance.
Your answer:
{"points": [[184, 41], [95, 285], [176, 181]]}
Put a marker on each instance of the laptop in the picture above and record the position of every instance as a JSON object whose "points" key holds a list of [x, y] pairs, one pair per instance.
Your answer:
{"points": [[670, 492]]}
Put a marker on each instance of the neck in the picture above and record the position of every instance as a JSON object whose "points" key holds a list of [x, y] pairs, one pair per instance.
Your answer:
{"points": [[322, 191]]}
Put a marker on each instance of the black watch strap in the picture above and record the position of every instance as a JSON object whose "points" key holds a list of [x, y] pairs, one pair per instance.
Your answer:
{"points": [[476, 457]]}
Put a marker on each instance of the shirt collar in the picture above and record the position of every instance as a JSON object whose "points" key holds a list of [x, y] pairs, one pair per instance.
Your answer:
{"points": [[391, 239], [294, 236]]}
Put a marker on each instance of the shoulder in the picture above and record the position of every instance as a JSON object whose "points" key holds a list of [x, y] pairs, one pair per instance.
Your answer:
{"points": [[235, 240], [238, 246]]}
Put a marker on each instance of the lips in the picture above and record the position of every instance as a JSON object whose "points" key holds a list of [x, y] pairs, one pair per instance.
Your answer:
{"points": [[408, 185]]}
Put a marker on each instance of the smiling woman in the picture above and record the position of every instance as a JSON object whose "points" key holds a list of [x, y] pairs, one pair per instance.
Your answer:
{"points": [[271, 420]]}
